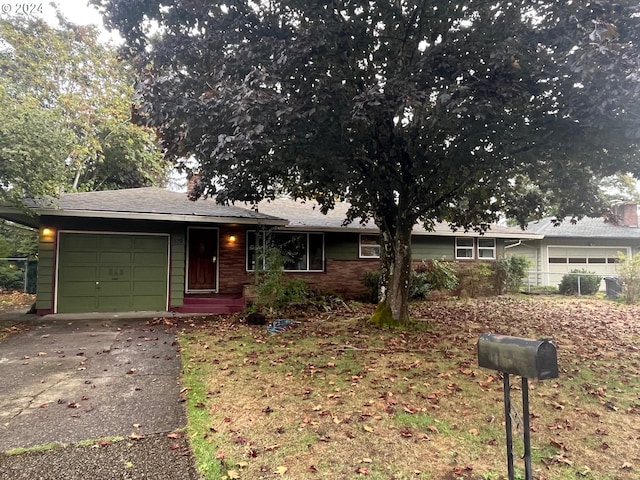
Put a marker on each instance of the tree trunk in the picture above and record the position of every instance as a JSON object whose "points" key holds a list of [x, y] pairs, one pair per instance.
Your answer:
{"points": [[395, 274]]}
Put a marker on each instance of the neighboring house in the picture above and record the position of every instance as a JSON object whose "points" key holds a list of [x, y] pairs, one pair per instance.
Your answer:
{"points": [[591, 244], [152, 249]]}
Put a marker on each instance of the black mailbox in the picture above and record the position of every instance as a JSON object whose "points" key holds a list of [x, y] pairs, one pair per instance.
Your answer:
{"points": [[534, 359]]}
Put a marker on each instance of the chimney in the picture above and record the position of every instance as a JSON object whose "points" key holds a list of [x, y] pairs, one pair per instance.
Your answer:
{"points": [[193, 179], [627, 212]]}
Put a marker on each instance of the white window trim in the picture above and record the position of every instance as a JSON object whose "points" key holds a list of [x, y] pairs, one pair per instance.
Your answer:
{"points": [[360, 255], [472, 247], [249, 269], [475, 248], [493, 248]]}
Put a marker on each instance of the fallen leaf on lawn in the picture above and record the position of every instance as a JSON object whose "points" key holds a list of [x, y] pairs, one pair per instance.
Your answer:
{"points": [[363, 471], [367, 428], [312, 469], [626, 466], [367, 460], [433, 428], [242, 464], [233, 474], [135, 436], [269, 448], [220, 455], [173, 435], [281, 470], [136, 425], [473, 431], [174, 446]]}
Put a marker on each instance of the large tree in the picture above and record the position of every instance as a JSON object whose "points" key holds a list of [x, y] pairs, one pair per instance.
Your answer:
{"points": [[65, 100], [412, 110]]}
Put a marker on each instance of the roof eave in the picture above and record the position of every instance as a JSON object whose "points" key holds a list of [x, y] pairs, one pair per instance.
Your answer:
{"points": [[319, 228], [194, 218]]}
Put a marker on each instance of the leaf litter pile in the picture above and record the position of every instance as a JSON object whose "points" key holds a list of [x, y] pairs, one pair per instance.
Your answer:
{"points": [[333, 397]]}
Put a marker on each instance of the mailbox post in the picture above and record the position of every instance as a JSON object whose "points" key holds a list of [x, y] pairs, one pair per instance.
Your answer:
{"points": [[535, 359]]}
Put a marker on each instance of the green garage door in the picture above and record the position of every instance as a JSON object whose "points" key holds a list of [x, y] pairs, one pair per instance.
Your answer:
{"points": [[111, 272]]}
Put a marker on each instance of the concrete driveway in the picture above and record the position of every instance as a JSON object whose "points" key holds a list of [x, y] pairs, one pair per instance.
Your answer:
{"points": [[67, 379]]}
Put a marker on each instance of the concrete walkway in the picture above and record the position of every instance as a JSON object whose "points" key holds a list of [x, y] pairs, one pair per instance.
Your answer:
{"points": [[72, 378]]}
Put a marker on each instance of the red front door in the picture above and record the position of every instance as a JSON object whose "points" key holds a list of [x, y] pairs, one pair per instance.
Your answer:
{"points": [[202, 259]]}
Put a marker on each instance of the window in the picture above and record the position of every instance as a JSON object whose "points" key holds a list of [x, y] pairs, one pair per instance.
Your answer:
{"points": [[464, 248], [577, 260], [487, 248], [369, 246], [301, 252], [557, 260], [597, 260]]}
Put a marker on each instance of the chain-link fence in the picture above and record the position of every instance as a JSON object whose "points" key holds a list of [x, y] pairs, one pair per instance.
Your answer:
{"points": [[538, 279], [18, 274]]}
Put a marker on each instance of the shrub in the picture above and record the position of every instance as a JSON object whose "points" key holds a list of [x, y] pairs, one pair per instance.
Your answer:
{"points": [[430, 275], [629, 270], [273, 288], [439, 275], [475, 279], [588, 282], [371, 281], [11, 277], [419, 285], [509, 272]]}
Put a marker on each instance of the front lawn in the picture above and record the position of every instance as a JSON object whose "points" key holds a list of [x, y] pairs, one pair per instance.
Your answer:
{"points": [[332, 397]]}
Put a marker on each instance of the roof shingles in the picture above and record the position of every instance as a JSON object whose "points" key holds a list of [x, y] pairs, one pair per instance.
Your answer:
{"points": [[586, 227]]}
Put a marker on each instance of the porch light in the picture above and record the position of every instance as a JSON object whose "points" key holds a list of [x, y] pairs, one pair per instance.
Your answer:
{"points": [[47, 232], [232, 239]]}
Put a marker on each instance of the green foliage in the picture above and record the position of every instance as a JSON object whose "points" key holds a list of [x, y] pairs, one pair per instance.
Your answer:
{"points": [[65, 100], [382, 317], [412, 113], [509, 272], [371, 281], [475, 279], [423, 279], [17, 241], [589, 282], [440, 275], [11, 275], [628, 269], [419, 285], [273, 288]]}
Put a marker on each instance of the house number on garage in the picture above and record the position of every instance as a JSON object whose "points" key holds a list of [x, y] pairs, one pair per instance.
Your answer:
{"points": [[115, 273]]}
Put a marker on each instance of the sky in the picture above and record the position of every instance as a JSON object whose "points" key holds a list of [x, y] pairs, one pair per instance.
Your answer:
{"points": [[77, 11]]}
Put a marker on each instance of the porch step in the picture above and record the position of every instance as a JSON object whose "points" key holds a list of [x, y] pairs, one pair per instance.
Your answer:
{"points": [[212, 305], [218, 300]]}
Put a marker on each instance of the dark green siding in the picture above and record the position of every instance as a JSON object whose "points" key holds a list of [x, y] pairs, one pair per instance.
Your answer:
{"points": [[111, 272], [178, 249], [341, 246], [344, 246], [44, 292], [430, 248]]}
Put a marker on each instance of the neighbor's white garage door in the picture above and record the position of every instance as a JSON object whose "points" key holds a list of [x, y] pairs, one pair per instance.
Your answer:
{"points": [[600, 260]]}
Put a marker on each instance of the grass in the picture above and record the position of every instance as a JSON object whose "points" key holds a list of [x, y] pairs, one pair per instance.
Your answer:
{"points": [[335, 398], [54, 445]]}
